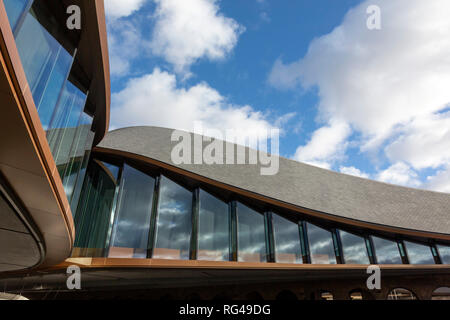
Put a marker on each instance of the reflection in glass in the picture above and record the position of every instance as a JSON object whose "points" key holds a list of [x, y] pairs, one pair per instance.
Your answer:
{"points": [[418, 253], [213, 229], [321, 246], [386, 251], [45, 62], [354, 248], [92, 219], [174, 222], [287, 240], [129, 237], [251, 235], [14, 9], [444, 253]]}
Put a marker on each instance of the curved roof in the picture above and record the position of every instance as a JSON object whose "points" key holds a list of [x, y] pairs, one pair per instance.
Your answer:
{"points": [[303, 185]]}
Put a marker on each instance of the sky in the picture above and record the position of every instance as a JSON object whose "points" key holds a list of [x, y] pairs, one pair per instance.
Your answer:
{"points": [[373, 103]]}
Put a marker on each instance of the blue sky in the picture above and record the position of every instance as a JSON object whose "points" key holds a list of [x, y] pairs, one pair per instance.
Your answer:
{"points": [[372, 103]]}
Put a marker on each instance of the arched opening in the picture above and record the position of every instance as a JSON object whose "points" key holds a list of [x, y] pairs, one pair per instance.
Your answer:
{"points": [[401, 294], [286, 295], [356, 295], [442, 293], [326, 295]]}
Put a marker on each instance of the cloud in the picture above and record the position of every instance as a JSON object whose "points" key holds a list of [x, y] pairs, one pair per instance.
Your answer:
{"points": [[424, 143], [390, 85], [354, 172], [399, 173], [125, 44], [326, 145], [440, 181], [156, 99], [186, 31], [122, 8]]}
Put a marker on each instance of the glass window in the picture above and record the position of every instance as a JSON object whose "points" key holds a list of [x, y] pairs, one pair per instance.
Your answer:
{"points": [[174, 222], [386, 251], [213, 229], [444, 253], [80, 145], [251, 235], [354, 248], [418, 253], [46, 64], [14, 9], [321, 246], [92, 220], [129, 237], [65, 124], [287, 240]]}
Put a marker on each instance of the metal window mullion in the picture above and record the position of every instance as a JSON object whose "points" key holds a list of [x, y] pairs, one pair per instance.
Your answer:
{"points": [[337, 246], [403, 252], [270, 241], [233, 231], [302, 229], [153, 218], [193, 251], [22, 17]]}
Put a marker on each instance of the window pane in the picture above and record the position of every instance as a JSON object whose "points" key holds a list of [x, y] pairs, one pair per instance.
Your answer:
{"points": [[14, 9], [354, 248], [46, 64], [92, 220], [444, 253], [418, 253], [386, 251], [287, 240], [64, 126], [251, 235], [213, 229], [132, 223], [321, 246], [174, 223]]}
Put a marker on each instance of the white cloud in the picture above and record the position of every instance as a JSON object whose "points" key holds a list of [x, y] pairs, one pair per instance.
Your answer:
{"points": [[399, 173], [388, 84], [125, 44], [353, 171], [122, 8], [424, 143], [186, 31], [440, 182], [155, 99], [326, 145]]}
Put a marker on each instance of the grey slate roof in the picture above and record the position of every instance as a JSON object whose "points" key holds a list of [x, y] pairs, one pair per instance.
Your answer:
{"points": [[305, 186]]}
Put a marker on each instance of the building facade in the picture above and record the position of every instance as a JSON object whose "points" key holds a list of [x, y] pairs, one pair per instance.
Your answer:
{"points": [[137, 224]]}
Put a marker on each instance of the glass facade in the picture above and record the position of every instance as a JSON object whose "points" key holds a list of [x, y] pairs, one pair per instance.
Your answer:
{"points": [[126, 212], [213, 228], [444, 253], [386, 251], [174, 221], [321, 246], [286, 237], [93, 215], [418, 253], [60, 103], [131, 227], [15, 9], [354, 248], [251, 235]]}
